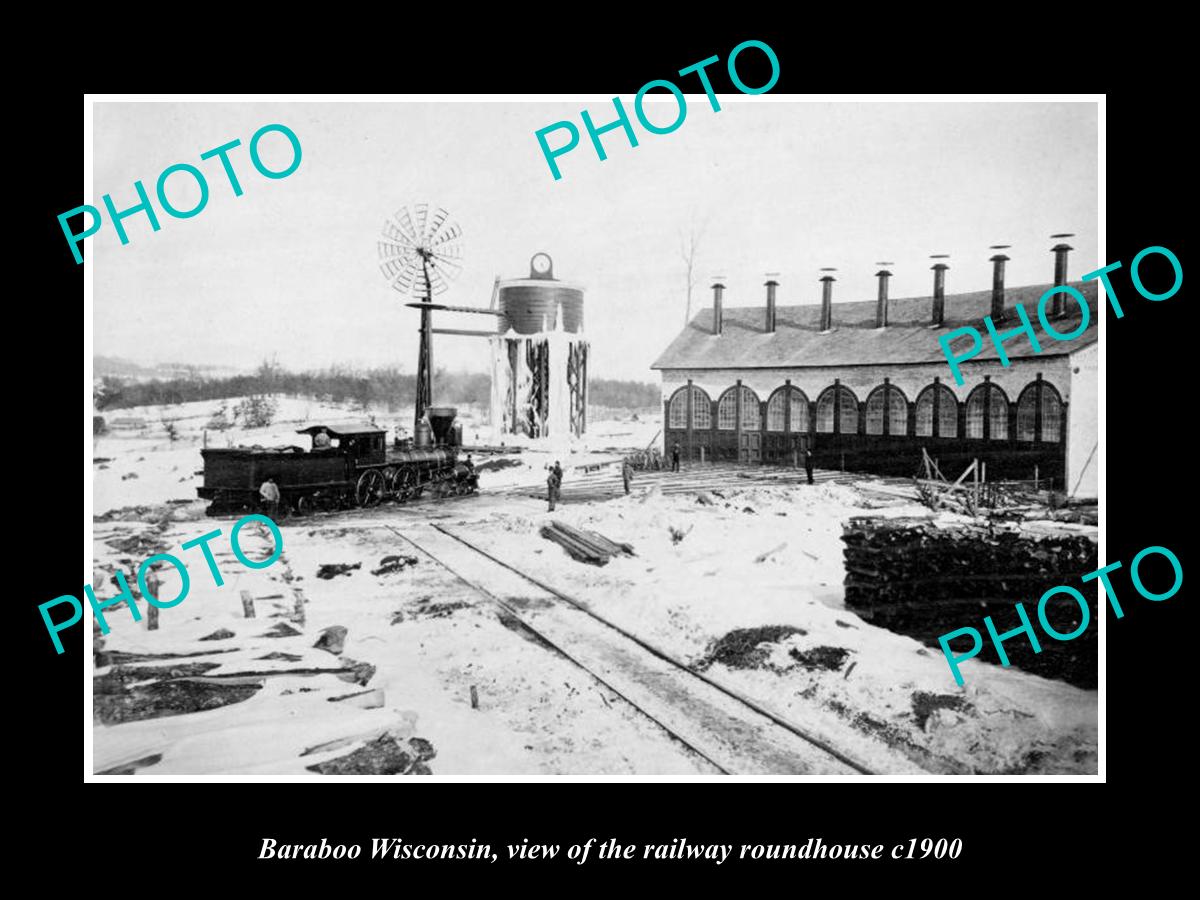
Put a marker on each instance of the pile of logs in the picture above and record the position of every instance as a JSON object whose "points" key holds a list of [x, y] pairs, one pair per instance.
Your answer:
{"points": [[585, 546], [918, 579]]}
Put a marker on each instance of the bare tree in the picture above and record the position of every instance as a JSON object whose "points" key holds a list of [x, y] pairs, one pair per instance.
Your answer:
{"points": [[689, 247]]}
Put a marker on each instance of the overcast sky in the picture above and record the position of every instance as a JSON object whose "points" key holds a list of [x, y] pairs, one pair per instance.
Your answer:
{"points": [[290, 268]]}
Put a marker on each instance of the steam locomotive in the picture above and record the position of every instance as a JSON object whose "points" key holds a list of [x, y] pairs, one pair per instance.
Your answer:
{"points": [[346, 466]]}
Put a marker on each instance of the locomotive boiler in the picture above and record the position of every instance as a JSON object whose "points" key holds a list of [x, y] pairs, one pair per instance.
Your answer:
{"points": [[346, 465]]}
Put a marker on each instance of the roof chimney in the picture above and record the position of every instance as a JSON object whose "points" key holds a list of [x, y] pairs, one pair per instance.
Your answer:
{"points": [[998, 262], [939, 289], [1060, 274], [827, 299], [718, 291], [881, 305], [771, 285]]}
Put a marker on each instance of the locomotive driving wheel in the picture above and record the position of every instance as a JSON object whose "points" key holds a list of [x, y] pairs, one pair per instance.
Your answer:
{"points": [[370, 488], [391, 478]]}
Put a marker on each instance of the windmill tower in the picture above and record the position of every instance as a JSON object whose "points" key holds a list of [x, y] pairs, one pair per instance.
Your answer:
{"points": [[421, 253]]}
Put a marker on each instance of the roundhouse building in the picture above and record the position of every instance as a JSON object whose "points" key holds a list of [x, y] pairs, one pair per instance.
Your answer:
{"points": [[866, 384]]}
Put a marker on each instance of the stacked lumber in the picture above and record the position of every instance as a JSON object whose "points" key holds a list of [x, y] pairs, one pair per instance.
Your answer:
{"points": [[923, 580], [585, 546]]}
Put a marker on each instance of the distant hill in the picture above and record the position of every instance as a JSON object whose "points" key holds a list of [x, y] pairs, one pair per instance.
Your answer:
{"points": [[119, 367], [136, 385]]}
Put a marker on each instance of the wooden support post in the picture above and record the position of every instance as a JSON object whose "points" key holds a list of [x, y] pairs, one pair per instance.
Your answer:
{"points": [[1035, 477], [298, 609], [247, 605], [152, 585]]}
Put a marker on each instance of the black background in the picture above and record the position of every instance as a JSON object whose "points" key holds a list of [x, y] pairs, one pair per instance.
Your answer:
{"points": [[158, 833]]}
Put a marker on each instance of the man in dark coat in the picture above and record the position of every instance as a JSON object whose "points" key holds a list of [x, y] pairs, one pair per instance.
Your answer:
{"points": [[808, 465], [675, 457], [552, 484], [626, 473]]}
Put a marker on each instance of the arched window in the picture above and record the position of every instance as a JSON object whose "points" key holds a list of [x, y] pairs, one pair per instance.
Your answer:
{"points": [[1052, 414], [892, 398], [937, 401], [987, 403], [1051, 404], [678, 417], [701, 410], [799, 410], [751, 411], [999, 423], [1027, 414], [831, 398], [727, 410]]}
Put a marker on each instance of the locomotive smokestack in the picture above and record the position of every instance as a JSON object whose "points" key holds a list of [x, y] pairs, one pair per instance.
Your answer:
{"points": [[939, 289], [718, 293], [770, 323], [998, 262], [827, 299], [1060, 273], [881, 303]]}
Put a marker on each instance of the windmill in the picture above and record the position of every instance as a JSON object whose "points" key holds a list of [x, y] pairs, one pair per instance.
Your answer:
{"points": [[420, 254]]}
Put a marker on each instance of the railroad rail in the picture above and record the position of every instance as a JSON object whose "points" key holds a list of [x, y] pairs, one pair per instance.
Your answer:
{"points": [[731, 732]]}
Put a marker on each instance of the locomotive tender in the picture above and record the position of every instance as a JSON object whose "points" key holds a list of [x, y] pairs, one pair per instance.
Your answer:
{"points": [[348, 465]]}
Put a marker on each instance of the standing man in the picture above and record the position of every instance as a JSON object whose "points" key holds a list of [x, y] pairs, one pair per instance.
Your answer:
{"points": [[626, 473], [675, 457], [552, 488], [808, 465], [269, 495]]}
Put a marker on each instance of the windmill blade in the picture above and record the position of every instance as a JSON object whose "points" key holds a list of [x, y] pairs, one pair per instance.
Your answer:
{"points": [[438, 218], [400, 273], [404, 282], [449, 251], [396, 235], [452, 259], [404, 220], [422, 216], [392, 250], [452, 233], [393, 267], [449, 269]]}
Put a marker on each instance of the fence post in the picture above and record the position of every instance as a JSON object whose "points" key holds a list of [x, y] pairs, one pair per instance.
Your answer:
{"points": [[152, 586]]}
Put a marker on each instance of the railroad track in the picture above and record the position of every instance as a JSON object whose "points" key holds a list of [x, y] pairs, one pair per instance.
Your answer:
{"points": [[731, 732], [606, 483]]}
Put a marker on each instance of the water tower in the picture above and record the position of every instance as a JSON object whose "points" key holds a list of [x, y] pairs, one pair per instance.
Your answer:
{"points": [[539, 355]]}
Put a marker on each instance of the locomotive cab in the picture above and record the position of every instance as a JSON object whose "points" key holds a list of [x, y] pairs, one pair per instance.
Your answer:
{"points": [[362, 444]]}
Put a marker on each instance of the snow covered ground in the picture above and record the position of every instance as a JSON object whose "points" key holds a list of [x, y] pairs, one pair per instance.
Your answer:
{"points": [[761, 557]]}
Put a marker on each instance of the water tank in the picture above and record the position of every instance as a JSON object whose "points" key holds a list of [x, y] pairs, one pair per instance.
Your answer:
{"points": [[532, 304]]}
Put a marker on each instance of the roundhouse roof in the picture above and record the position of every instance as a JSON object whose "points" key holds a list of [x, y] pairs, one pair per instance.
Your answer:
{"points": [[797, 341]]}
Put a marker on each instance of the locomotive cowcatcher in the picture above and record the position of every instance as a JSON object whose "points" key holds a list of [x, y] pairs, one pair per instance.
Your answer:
{"points": [[347, 465]]}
